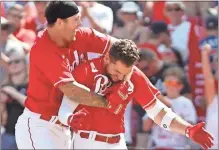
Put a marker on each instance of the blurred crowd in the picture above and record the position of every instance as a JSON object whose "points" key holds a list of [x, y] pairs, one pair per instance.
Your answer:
{"points": [[170, 36]]}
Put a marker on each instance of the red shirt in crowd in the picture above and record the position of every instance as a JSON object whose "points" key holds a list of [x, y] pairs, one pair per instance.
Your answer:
{"points": [[51, 66], [34, 25], [152, 47], [158, 12], [25, 35], [2, 9], [30, 24], [91, 74]]}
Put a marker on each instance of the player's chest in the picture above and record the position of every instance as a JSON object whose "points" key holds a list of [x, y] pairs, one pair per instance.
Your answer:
{"points": [[100, 84], [74, 57]]}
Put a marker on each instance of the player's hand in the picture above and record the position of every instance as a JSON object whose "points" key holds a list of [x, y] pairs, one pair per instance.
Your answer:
{"points": [[198, 134], [75, 119], [116, 95]]}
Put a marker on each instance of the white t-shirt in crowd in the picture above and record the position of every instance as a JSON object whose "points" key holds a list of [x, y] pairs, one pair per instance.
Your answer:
{"points": [[183, 107], [103, 16], [180, 38], [212, 121]]}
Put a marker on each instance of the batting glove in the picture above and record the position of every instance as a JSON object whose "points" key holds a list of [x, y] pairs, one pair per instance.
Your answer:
{"points": [[74, 120], [198, 134]]}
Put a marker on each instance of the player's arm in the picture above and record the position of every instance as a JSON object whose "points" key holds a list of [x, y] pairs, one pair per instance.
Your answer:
{"points": [[165, 117], [61, 77], [168, 120], [79, 93]]}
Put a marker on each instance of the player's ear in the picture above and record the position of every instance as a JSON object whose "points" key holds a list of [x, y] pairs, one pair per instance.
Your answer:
{"points": [[59, 22]]}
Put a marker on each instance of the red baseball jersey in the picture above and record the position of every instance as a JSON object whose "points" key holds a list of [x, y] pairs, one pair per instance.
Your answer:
{"points": [[91, 74], [51, 66]]}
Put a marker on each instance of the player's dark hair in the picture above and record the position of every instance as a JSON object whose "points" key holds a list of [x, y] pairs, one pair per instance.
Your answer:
{"points": [[125, 51], [60, 9]]}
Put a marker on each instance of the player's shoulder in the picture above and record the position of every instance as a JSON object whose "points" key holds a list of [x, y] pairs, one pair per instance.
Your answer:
{"points": [[96, 64], [138, 73], [93, 65], [42, 45], [83, 31], [138, 76], [89, 32]]}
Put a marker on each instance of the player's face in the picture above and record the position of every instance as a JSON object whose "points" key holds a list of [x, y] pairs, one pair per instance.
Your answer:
{"points": [[69, 27], [173, 86], [117, 70]]}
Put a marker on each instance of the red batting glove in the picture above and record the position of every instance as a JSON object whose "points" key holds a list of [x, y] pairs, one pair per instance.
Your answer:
{"points": [[198, 134], [116, 95], [75, 119]]}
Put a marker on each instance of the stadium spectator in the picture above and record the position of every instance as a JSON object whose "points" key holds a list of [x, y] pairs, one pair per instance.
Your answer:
{"points": [[115, 6], [13, 91], [131, 15], [211, 95], [2, 9], [154, 69], [211, 25], [159, 35], [155, 11], [97, 16], [7, 45], [173, 83], [15, 15], [197, 12], [185, 38], [38, 22]]}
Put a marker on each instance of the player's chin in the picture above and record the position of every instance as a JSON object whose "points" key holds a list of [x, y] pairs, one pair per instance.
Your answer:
{"points": [[115, 79]]}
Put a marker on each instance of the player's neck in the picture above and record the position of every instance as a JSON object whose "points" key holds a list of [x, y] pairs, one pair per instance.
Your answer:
{"points": [[56, 38]]}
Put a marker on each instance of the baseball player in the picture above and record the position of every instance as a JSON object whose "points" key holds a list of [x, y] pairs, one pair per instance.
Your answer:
{"points": [[57, 51], [115, 77]]}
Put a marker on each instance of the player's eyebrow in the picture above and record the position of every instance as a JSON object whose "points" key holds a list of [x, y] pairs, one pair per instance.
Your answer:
{"points": [[119, 71]]}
